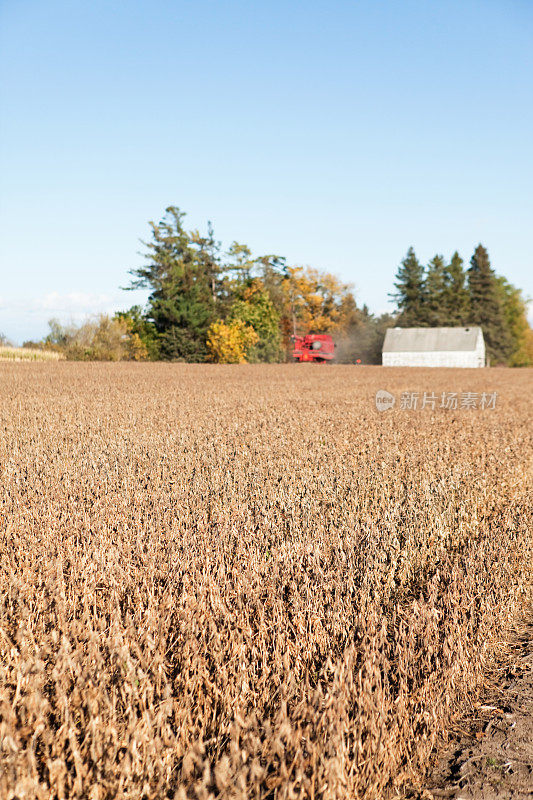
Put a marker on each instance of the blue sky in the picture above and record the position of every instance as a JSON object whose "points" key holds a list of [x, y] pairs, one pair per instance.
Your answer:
{"points": [[334, 133]]}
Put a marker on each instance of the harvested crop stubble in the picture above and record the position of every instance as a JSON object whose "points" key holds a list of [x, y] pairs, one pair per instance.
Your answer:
{"points": [[245, 581], [28, 354]]}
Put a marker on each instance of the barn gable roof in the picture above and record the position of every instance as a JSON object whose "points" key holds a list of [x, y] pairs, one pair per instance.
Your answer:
{"points": [[417, 340]]}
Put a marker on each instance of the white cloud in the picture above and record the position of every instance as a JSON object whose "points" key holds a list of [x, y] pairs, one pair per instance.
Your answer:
{"points": [[76, 302], [27, 318]]}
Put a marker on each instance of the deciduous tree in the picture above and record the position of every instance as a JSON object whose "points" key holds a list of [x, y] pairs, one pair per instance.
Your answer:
{"points": [[515, 312], [231, 342], [254, 307]]}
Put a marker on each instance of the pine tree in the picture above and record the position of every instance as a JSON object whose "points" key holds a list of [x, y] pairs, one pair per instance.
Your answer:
{"points": [[182, 274], [434, 310], [486, 307], [410, 291], [208, 257], [455, 299]]}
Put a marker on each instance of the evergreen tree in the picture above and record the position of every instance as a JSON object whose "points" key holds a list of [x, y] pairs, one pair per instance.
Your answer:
{"points": [[208, 257], [410, 292], [434, 309], [181, 273], [486, 307], [455, 300]]}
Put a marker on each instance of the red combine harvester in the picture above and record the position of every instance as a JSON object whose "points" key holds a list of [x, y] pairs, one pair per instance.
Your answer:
{"points": [[317, 347]]}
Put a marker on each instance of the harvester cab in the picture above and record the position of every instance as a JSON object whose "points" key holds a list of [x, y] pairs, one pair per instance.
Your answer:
{"points": [[317, 347]]}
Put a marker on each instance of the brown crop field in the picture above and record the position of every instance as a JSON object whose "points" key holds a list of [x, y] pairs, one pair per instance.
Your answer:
{"points": [[245, 581]]}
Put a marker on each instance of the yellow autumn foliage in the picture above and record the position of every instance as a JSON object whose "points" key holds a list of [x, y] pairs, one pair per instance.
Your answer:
{"points": [[316, 301], [229, 343]]}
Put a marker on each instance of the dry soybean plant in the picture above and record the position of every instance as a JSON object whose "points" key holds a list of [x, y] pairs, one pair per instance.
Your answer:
{"points": [[244, 581]]}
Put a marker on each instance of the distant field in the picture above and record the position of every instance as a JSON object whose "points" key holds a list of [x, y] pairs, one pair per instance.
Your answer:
{"points": [[245, 581], [27, 354]]}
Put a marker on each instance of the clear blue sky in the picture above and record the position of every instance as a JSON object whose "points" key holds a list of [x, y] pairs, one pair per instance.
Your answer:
{"points": [[334, 133]]}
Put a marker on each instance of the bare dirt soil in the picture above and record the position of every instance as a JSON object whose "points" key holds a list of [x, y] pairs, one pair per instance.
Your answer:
{"points": [[490, 752]]}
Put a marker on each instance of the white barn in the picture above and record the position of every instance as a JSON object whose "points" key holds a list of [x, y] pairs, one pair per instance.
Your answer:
{"points": [[434, 347]]}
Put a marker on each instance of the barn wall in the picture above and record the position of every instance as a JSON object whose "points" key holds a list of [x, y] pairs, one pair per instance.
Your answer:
{"points": [[480, 351], [470, 358]]}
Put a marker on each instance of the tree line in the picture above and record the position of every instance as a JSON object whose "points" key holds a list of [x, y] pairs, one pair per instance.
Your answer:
{"points": [[446, 295], [210, 304]]}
